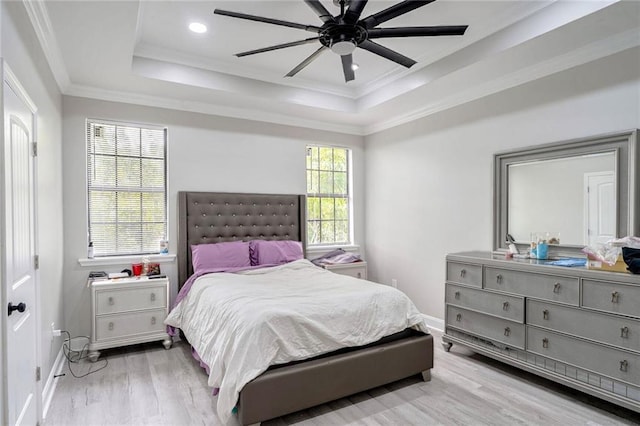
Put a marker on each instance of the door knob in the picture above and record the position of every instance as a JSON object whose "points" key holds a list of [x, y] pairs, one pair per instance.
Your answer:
{"points": [[20, 307]]}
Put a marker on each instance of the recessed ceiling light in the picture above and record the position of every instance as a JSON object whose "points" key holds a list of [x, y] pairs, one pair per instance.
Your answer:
{"points": [[354, 66], [197, 27]]}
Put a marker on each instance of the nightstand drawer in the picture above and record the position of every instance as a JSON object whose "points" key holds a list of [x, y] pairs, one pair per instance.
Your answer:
{"points": [[463, 273], [548, 287], [508, 332], [130, 324], [356, 269], [130, 299], [496, 304]]}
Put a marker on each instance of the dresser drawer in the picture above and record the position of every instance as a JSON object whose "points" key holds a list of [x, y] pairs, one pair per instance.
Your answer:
{"points": [[497, 304], [605, 360], [463, 273], [130, 299], [611, 297], [130, 324], [497, 329], [541, 286], [614, 330]]}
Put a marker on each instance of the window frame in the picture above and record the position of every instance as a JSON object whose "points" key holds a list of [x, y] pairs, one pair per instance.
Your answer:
{"points": [[89, 122], [348, 197]]}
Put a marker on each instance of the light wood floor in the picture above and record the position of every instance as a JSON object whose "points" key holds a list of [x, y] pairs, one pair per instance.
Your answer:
{"points": [[147, 385]]}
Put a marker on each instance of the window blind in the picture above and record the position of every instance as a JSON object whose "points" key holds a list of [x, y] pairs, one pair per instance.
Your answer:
{"points": [[127, 197]]}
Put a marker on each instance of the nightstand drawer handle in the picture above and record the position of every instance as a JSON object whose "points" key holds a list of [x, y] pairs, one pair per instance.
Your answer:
{"points": [[624, 365], [505, 306], [545, 343], [507, 331], [110, 326], [624, 332], [111, 301], [556, 288], [545, 314], [459, 317], [499, 279], [153, 297], [153, 320], [615, 296], [456, 295], [359, 274], [463, 272]]}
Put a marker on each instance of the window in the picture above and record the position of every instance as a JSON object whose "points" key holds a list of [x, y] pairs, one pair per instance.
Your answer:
{"points": [[328, 195], [127, 190]]}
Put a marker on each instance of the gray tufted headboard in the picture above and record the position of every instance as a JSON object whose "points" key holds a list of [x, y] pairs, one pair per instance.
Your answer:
{"points": [[215, 217]]}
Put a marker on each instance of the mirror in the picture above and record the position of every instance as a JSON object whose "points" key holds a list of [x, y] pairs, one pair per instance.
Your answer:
{"points": [[580, 192]]}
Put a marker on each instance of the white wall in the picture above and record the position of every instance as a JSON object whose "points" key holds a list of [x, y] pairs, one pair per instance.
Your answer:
{"points": [[429, 182], [22, 52], [205, 153]]}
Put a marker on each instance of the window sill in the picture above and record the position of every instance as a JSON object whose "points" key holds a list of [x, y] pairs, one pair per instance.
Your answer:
{"points": [[125, 260], [315, 251]]}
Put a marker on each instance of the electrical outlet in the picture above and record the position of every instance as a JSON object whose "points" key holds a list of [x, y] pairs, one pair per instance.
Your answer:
{"points": [[394, 283]]}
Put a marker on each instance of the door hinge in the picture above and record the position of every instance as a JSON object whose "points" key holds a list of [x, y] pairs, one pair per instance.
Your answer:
{"points": [[38, 374], [34, 149], [36, 262]]}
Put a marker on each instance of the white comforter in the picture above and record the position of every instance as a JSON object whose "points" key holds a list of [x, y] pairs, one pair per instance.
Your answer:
{"points": [[241, 323]]}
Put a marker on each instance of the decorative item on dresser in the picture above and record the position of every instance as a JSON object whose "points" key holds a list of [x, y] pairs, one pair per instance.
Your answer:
{"points": [[126, 311], [575, 326], [355, 269]]}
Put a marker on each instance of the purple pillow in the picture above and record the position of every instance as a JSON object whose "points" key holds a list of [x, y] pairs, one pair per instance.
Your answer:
{"points": [[275, 252], [221, 255]]}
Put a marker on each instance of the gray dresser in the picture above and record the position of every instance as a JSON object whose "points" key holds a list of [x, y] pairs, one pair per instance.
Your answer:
{"points": [[576, 326]]}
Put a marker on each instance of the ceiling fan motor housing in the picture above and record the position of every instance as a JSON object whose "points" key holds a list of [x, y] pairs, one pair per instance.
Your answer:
{"points": [[342, 38]]}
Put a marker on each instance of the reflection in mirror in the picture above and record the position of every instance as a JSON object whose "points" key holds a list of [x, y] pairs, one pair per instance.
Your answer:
{"points": [[572, 197]]}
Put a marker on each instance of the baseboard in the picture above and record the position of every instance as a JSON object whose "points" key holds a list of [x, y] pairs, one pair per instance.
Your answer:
{"points": [[434, 323], [50, 385]]}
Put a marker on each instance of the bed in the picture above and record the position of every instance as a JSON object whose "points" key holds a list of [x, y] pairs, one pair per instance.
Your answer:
{"points": [[210, 217]]}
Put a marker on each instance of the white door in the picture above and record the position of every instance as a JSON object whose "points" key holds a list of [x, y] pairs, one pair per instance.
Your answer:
{"points": [[19, 280], [600, 207]]}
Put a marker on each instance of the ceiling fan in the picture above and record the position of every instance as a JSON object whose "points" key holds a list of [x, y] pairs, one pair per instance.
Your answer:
{"points": [[344, 32]]}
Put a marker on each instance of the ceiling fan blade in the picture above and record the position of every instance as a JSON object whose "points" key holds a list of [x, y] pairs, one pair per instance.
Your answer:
{"points": [[451, 30], [320, 10], [387, 53], [278, 46], [393, 11], [354, 11], [267, 20], [306, 62], [347, 62]]}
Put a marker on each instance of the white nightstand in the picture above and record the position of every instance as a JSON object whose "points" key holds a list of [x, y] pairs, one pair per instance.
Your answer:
{"points": [[356, 269], [126, 311]]}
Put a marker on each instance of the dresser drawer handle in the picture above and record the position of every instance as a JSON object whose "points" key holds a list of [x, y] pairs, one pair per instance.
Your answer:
{"points": [[556, 288], [507, 331], [615, 296], [545, 314], [624, 332], [111, 301], [463, 272], [456, 295], [110, 326], [505, 306], [499, 279], [153, 320], [153, 297], [459, 317], [624, 365], [545, 343]]}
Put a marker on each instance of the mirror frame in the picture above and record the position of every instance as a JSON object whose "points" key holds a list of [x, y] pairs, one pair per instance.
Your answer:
{"points": [[622, 144]]}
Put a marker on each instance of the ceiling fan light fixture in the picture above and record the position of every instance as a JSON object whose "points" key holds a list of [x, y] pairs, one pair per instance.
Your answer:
{"points": [[354, 66], [343, 47], [198, 28]]}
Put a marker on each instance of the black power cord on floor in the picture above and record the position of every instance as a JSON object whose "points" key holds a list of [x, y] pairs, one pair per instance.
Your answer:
{"points": [[74, 357]]}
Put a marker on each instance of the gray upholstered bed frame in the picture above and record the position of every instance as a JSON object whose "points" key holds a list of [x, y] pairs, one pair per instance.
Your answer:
{"points": [[212, 217]]}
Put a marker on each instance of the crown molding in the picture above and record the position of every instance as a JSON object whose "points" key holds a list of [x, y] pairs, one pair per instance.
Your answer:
{"points": [[589, 53], [39, 17], [208, 108]]}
